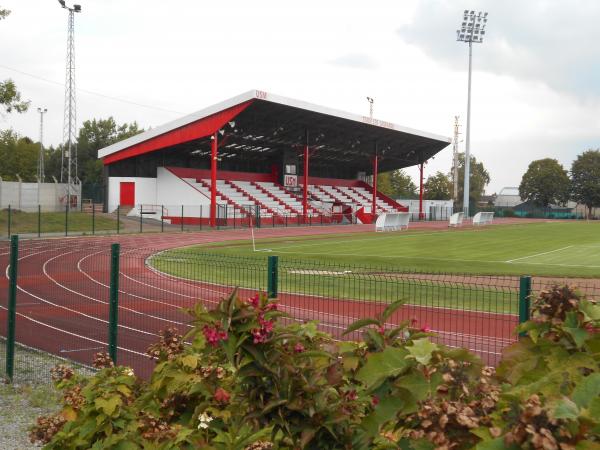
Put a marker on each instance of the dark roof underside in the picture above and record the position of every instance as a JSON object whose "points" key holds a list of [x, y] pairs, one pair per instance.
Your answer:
{"points": [[266, 129]]}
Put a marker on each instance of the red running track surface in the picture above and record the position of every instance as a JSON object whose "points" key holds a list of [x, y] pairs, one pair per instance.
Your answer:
{"points": [[62, 300]]}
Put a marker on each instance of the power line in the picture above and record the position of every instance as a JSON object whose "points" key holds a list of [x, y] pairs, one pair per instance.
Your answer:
{"points": [[92, 92]]}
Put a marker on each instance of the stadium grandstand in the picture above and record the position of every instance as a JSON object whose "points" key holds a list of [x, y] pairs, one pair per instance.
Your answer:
{"points": [[266, 156]]}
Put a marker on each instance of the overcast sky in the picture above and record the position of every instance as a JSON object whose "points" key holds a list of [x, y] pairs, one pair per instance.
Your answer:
{"points": [[536, 80]]}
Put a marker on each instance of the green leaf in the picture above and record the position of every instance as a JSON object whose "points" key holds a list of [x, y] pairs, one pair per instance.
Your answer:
{"points": [[591, 310], [388, 363], [391, 308], [350, 362], [587, 390], [190, 361], [422, 350], [416, 383], [108, 406], [386, 410], [565, 408], [361, 324], [495, 444]]}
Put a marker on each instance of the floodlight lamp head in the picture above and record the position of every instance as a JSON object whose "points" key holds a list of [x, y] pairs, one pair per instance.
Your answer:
{"points": [[62, 3], [370, 99], [77, 8], [232, 123]]}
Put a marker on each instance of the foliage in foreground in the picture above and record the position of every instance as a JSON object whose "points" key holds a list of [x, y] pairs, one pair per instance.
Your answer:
{"points": [[248, 378]]}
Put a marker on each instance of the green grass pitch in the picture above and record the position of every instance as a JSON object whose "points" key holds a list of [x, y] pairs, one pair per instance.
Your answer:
{"points": [[366, 266], [542, 249]]}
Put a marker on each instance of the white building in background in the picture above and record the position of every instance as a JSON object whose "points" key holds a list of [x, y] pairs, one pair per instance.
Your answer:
{"points": [[49, 197], [508, 197]]}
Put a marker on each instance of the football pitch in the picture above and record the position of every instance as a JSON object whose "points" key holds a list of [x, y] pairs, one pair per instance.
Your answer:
{"points": [[421, 266], [570, 249]]}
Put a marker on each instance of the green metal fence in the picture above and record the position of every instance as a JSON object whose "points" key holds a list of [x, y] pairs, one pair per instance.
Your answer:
{"points": [[73, 298]]}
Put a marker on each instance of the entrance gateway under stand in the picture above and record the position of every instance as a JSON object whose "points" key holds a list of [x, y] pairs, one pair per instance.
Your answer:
{"points": [[260, 133]]}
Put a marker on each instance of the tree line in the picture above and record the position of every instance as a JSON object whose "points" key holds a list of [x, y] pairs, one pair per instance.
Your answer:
{"points": [[547, 182], [19, 154], [398, 183]]}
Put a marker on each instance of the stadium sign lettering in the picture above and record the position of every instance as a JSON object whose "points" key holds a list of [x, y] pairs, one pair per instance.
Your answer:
{"points": [[261, 95], [377, 122], [290, 181]]}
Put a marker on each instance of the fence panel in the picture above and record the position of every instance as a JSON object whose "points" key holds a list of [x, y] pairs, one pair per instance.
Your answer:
{"points": [[64, 293]]}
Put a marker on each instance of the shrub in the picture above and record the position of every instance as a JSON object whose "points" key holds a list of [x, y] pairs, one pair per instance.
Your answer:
{"points": [[241, 379]]}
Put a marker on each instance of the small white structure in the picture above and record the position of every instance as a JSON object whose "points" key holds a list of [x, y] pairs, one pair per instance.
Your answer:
{"points": [[392, 221], [508, 197], [456, 219], [483, 218]]}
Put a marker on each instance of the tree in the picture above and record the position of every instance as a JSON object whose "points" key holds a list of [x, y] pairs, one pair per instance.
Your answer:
{"points": [[18, 156], [479, 179], [10, 97], [545, 182], [585, 179], [438, 187], [94, 135], [397, 184]]}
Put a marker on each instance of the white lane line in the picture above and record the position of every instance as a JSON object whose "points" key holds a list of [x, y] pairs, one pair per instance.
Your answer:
{"points": [[539, 254], [74, 334], [75, 350], [69, 309]]}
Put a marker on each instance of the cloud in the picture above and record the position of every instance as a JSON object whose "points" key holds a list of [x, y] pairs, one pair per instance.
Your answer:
{"points": [[356, 61], [551, 41]]}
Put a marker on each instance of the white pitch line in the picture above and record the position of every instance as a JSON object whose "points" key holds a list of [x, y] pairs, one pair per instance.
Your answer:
{"points": [[539, 254]]}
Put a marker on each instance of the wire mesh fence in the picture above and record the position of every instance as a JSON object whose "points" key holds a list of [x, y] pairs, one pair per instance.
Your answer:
{"points": [[63, 296], [90, 219]]}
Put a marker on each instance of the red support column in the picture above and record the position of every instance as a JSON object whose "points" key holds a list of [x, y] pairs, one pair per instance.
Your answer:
{"points": [[374, 207], [305, 187], [421, 214], [213, 180]]}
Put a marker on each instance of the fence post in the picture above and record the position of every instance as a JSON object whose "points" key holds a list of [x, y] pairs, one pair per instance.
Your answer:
{"points": [[118, 218], [9, 219], [93, 218], [67, 219], [12, 307], [162, 218], [272, 275], [113, 312], [524, 302], [181, 217], [141, 217], [39, 220], [200, 217]]}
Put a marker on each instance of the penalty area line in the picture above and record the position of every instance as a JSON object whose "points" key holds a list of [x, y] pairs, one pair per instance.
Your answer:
{"points": [[539, 254]]}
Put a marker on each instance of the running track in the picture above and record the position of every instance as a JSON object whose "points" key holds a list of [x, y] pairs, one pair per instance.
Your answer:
{"points": [[62, 300]]}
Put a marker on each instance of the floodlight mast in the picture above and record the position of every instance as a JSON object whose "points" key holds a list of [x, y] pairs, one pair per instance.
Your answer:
{"points": [[69, 151], [40, 168], [472, 30]]}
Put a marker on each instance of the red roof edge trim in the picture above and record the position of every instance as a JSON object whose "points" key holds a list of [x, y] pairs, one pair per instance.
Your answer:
{"points": [[195, 130]]}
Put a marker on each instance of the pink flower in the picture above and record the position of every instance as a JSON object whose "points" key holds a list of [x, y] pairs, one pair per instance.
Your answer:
{"points": [[266, 325], [222, 396], [298, 348], [351, 395], [425, 328], [259, 336], [254, 301], [381, 330], [271, 307], [213, 334], [375, 400]]}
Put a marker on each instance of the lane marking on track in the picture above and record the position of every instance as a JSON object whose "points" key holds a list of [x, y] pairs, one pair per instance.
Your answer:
{"points": [[75, 334], [539, 254], [80, 349], [69, 309], [98, 300]]}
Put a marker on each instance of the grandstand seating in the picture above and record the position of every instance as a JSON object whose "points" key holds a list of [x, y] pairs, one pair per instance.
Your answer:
{"points": [[275, 201]]}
